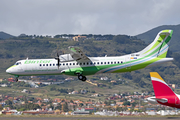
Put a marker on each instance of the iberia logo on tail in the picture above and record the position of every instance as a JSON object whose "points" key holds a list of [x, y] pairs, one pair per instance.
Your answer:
{"points": [[163, 93]]}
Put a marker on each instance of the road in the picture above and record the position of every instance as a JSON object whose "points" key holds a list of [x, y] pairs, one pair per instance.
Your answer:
{"points": [[88, 118]]}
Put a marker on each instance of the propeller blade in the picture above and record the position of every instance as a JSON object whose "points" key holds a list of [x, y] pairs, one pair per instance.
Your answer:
{"points": [[58, 63], [58, 60]]}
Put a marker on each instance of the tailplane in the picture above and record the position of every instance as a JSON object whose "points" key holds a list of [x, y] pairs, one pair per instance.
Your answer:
{"points": [[161, 88], [160, 45]]}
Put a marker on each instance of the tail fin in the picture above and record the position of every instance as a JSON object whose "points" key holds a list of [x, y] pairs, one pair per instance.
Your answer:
{"points": [[160, 45], [160, 86]]}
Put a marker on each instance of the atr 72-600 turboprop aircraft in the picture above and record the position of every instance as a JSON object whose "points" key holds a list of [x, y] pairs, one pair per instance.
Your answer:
{"points": [[78, 64], [163, 93]]}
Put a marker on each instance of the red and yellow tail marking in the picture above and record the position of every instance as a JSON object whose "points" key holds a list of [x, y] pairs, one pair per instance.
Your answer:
{"points": [[161, 88], [156, 75]]}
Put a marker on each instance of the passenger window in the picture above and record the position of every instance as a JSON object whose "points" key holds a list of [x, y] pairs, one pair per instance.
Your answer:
{"points": [[101, 62], [104, 62], [108, 62], [73, 63], [114, 62], [87, 63], [53, 64], [83, 63], [94, 63], [43, 64], [121, 62], [97, 62], [69, 63], [91, 63], [80, 63], [63, 64], [111, 62], [66, 63], [46, 64], [118, 62], [39, 64], [76, 63]]}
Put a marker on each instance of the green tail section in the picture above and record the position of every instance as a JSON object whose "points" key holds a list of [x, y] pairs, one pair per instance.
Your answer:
{"points": [[159, 46]]}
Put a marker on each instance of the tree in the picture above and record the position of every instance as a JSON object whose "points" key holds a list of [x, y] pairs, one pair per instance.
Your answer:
{"points": [[122, 39], [81, 104], [59, 106], [21, 109], [51, 106], [71, 101], [31, 106], [126, 103], [1, 107], [106, 102], [8, 102], [65, 107], [133, 104], [127, 75], [119, 109]]}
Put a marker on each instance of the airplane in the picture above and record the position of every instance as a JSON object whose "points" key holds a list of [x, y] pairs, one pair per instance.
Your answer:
{"points": [[163, 93], [78, 64]]}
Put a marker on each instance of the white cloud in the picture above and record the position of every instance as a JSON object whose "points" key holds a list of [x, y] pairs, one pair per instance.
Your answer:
{"points": [[53, 17]]}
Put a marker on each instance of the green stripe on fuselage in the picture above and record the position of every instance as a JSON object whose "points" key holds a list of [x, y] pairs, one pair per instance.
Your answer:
{"points": [[138, 66]]}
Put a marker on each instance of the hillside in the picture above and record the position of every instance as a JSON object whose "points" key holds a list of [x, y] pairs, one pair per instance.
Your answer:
{"points": [[149, 36], [4, 35]]}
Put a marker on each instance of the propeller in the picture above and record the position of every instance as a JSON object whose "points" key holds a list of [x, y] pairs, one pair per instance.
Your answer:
{"points": [[58, 60]]}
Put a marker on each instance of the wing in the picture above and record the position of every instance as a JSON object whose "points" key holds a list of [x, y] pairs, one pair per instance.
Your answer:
{"points": [[77, 54]]}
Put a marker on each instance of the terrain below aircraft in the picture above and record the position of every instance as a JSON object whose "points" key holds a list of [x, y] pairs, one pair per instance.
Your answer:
{"points": [[78, 64], [163, 93]]}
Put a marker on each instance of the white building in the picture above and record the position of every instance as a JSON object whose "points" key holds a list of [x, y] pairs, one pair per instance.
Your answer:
{"points": [[104, 78], [24, 91], [4, 85], [74, 92]]}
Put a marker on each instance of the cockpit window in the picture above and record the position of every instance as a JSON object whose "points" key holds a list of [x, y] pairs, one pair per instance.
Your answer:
{"points": [[17, 63]]}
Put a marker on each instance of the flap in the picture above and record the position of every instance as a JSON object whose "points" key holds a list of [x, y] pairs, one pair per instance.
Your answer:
{"points": [[77, 54]]}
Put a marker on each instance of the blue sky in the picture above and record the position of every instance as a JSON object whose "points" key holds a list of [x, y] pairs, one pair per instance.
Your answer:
{"points": [[52, 17]]}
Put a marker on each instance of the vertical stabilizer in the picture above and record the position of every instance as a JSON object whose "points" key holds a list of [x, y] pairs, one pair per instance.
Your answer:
{"points": [[161, 88], [160, 45]]}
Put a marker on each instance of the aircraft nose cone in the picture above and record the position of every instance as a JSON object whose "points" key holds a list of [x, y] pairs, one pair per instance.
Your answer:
{"points": [[8, 70]]}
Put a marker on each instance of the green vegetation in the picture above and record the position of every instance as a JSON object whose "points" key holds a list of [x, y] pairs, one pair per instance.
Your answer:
{"points": [[4, 35], [149, 36]]}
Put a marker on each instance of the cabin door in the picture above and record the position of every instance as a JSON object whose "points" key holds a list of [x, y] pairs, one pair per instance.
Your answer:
{"points": [[20, 68], [128, 62]]}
